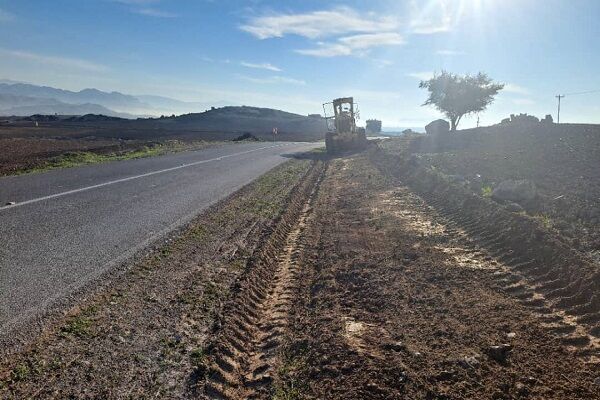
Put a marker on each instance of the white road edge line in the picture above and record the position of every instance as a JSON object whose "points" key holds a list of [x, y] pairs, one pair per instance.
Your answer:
{"points": [[130, 178]]}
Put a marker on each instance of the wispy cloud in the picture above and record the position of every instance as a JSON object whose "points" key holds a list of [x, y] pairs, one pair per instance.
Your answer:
{"points": [[325, 23], [381, 62], [65, 62], [354, 45], [516, 89], [447, 52], [276, 79], [366, 41], [327, 50], [5, 16], [422, 76], [213, 60], [146, 7], [267, 66], [153, 12]]}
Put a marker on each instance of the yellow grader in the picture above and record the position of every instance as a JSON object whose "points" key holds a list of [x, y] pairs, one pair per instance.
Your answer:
{"points": [[343, 135]]}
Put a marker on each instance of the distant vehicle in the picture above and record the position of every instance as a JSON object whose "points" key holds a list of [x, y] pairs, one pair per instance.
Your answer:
{"points": [[373, 127]]}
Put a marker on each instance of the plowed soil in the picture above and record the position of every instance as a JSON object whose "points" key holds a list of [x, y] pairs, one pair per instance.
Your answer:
{"points": [[561, 160], [18, 154]]}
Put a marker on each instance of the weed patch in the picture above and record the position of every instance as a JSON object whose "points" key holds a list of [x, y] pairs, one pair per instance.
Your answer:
{"points": [[486, 191], [79, 326]]}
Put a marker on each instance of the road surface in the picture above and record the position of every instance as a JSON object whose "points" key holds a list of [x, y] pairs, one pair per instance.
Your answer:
{"points": [[67, 227]]}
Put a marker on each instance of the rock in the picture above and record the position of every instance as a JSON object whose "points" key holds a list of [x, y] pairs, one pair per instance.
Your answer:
{"points": [[523, 118], [548, 119], [395, 346], [499, 353], [445, 375], [522, 390], [470, 362], [513, 207], [511, 335], [518, 191], [439, 126], [246, 136], [529, 380]]}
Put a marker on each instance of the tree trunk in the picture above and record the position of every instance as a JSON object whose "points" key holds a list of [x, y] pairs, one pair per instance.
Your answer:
{"points": [[453, 123]]}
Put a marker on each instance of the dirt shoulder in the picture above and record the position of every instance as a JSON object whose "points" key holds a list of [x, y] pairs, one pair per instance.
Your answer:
{"points": [[145, 335]]}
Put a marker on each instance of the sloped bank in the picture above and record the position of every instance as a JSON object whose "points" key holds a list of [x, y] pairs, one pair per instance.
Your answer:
{"points": [[566, 278]]}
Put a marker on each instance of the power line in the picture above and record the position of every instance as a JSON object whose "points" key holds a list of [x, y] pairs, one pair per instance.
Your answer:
{"points": [[577, 93]]}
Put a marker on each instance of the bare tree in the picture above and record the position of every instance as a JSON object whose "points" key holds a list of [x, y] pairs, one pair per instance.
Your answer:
{"points": [[458, 95]]}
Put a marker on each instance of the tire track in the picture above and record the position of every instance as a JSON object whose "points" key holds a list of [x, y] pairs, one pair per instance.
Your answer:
{"points": [[471, 250], [244, 354]]}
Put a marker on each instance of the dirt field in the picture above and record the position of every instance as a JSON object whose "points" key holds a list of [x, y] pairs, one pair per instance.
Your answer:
{"points": [[25, 155], [22, 154]]}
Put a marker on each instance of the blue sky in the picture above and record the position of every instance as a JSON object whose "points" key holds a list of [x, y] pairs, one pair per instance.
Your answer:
{"points": [[296, 55]]}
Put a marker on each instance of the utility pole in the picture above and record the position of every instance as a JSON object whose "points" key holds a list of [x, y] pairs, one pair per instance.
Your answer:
{"points": [[560, 96]]}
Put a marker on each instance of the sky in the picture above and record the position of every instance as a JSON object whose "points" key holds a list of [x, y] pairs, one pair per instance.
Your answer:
{"points": [[296, 55]]}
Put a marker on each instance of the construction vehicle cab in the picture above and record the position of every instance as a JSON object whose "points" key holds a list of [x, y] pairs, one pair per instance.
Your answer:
{"points": [[342, 135]]}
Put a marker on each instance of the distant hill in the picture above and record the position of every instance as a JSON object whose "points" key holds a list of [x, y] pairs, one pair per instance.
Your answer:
{"points": [[14, 95], [11, 104], [254, 120], [114, 100]]}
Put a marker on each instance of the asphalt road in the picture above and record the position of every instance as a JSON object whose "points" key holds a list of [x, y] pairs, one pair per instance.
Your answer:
{"points": [[69, 226]]}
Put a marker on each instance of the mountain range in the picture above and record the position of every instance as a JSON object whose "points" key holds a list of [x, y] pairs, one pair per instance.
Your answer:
{"points": [[23, 99]]}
